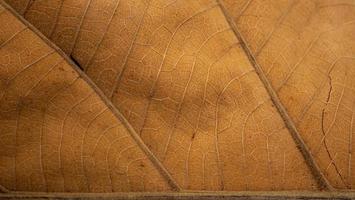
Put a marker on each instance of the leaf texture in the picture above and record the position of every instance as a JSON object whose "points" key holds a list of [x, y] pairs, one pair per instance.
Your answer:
{"points": [[56, 132], [178, 73], [306, 49]]}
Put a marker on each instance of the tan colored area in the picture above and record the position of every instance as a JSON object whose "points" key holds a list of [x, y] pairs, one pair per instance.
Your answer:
{"points": [[264, 102], [306, 49], [56, 132], [179, 75]]}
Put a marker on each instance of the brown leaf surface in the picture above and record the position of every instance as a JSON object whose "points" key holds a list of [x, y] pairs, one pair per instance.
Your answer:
{"points": [[306, 49], [56, 132], [179, 75], [182, 79]]}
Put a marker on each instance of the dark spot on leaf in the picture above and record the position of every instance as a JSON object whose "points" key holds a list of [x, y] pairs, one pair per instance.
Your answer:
{"points": [[76, 62]]}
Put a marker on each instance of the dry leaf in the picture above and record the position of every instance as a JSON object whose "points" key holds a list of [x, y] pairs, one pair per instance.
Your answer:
{"points": [[182, 79]]}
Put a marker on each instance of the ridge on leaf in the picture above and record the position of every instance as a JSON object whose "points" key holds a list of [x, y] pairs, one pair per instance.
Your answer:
{"points": [[57, 133], [306, 50]]}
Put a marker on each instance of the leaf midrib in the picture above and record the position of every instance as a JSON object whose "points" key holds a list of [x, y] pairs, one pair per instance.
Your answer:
{"points": [[322, 181]]}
